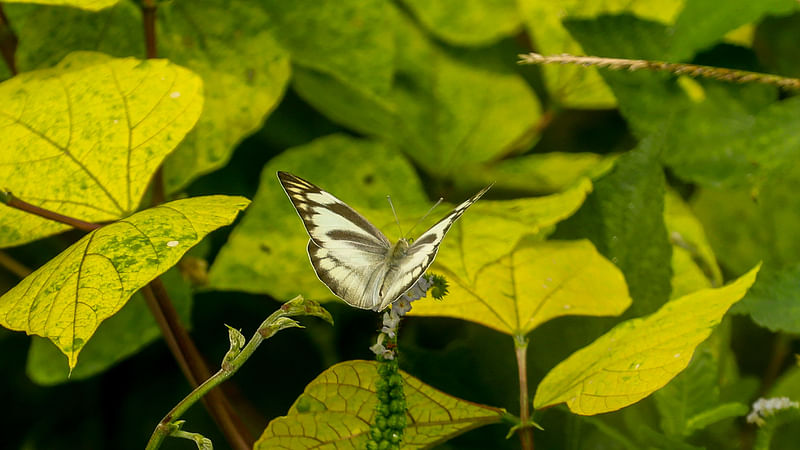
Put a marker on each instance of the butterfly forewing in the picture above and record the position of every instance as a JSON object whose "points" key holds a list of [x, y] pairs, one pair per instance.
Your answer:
{"points": [[351, 256], [420, 255]]}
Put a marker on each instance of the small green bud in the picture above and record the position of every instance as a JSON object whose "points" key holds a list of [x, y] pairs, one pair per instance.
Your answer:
{"points": [[395, 380], [380, 422], [372, 445], [375, 434], [396, 392], [397, 421], [397, 406]]}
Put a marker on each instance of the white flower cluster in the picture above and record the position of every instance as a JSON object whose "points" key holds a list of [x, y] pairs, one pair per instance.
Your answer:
{"points": [[399, 308], [765, 407]]}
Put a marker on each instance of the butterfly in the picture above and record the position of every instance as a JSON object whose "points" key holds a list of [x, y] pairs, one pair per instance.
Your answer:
{"points": [[352, 257]]}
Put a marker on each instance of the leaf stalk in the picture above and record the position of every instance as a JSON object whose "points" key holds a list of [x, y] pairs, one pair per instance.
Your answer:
{"points": [[525, 432]]}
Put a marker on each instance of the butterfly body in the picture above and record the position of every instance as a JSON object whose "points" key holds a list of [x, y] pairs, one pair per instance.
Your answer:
{"points": [[352, 257]]}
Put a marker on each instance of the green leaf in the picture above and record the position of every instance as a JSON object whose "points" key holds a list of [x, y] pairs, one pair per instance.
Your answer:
{"points": [[349, 40], [228, 43], [774, 301], [574, 86], [529, 286], [702, 23], [66, 299], [691, 401], [639, 356], [118, 337], [89, 5], [266, 253], [624, 218], [472, 22], [84, 138], [443, 110], [337, 408], [774, 38]]}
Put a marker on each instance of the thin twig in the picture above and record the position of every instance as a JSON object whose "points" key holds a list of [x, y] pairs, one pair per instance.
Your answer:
{"points": [[692, 70], [10, 200], [8, 42], [194, 366]]}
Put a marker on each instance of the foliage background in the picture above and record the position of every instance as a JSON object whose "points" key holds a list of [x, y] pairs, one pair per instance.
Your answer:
{"points": [[437, 86]]}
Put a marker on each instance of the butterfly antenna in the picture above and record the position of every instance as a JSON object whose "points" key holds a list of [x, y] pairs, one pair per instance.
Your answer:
{"points": [[396, 220], [426, 214]]}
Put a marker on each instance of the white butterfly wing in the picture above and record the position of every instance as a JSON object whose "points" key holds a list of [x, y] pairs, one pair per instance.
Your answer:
{"points": [[348, 253], [406, 270]]}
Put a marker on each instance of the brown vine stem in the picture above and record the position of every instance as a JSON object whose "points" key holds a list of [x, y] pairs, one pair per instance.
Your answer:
{"points": [[10, 200], [178, 339], [692, 70], [8, 42], [13, 266], [525, 431], [149, 21]]}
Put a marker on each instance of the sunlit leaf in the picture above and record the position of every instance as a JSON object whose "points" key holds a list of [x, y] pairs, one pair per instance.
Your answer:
{"points": [[66, 299], [337, 408], [118, 337], [84, 138], [230, 45], [691, 400], [443, 110], [531, 285], [639, 356], [473, 22], [266, 252], [89, 5]]}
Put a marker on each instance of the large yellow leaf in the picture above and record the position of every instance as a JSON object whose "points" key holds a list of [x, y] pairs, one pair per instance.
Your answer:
{"points": [[533, 284], [85, 137], [89, 5], [511, 287], [337, 408], [639, 356], [66, 299]]}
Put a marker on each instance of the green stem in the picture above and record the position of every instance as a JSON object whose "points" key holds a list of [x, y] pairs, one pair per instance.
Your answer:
{"points": [[149, 22], [229, 366], [525, 432]]}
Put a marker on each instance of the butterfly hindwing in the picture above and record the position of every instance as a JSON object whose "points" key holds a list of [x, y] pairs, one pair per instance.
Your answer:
{"points": [[420, 254]]}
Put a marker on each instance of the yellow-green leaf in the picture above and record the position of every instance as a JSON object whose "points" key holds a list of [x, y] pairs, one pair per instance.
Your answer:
{"points": [[531, 285], [337, 408], [471, 22], [84, 138], [66, 299], [89, 5], [639, 356]]}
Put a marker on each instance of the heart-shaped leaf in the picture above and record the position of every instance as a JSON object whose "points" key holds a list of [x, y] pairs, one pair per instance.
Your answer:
{"points": [[639, 356], [337, 408], [84, 138], [66, 299]]}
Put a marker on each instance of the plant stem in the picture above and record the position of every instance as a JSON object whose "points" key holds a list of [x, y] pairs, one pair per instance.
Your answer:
{"points": [[525, 432], [13, 266], [10, 200], [229, 367], [8, 43], [193, 365], [149, 21]]}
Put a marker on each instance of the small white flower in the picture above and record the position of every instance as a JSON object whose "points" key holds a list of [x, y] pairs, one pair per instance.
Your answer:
{"points": [[765, 407], [390, 322], [401, 306], [418, 290], [378, 349]]}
